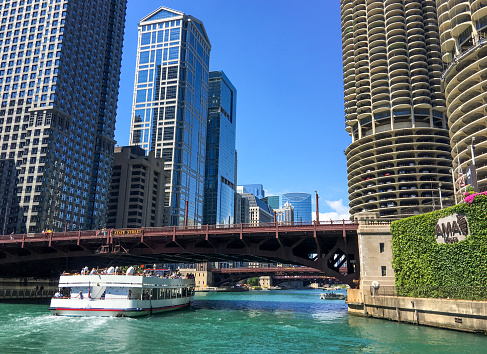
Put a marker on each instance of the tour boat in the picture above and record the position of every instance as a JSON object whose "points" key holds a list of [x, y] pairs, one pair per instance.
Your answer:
{"points": [[332, 296], [111, 295]]}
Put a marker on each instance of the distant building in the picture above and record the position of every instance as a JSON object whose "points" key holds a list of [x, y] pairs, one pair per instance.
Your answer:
{"points": [[301, 203], [169, 110], [241, 209], [285, 214], [259, 212], [218, 207], [137, 189], [255, 189], [272, 201]]}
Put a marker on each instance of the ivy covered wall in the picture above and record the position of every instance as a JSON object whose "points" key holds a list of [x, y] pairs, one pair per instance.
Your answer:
{"points": [[425, 268]]}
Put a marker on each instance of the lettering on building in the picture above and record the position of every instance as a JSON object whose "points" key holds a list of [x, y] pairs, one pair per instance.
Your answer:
{"points": [[452, 229]]}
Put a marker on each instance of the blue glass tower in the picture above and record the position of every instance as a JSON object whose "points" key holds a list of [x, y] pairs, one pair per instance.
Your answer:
{"points": [[272, 201], [255, 189], [170, 102], [220, 151], [301, 203]]}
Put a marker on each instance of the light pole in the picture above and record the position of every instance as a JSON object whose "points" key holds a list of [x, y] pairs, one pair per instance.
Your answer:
{"points": [[472, 150], [454, 185], [441, 201], [317, 221]]}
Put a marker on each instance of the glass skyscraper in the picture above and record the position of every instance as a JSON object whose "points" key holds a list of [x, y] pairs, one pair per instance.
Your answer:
{"points": [[272, 201], [59, 76], [301, 203], [170, 106], [255, 189], [220, 151]]}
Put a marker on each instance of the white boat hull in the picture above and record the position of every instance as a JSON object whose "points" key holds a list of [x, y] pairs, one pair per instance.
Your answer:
{"points": [[120, 296], [114, 312]]}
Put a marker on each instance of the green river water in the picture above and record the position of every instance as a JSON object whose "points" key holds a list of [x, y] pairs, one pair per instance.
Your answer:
{"points": [[292, 321]]}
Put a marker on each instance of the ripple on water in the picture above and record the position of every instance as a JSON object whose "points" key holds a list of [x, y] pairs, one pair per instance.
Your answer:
{"points": [[293, 322]]}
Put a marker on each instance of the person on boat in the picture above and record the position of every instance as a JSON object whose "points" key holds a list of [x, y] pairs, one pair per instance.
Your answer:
{"points": [[116, 270], [93, 271], [130, 271], [57, 294], [81, 295], [111, 270]]}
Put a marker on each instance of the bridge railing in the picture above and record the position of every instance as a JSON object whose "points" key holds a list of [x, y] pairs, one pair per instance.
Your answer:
{"points": [[168, 229]]}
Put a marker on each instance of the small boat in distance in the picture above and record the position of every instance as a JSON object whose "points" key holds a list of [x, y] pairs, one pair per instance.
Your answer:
{"points": [[112, 295], [330, 295]]}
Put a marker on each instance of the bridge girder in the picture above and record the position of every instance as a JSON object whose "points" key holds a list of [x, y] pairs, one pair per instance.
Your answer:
{"points": [[324, 248]]}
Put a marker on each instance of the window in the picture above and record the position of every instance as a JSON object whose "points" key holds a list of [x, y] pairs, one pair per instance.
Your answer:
{"points": [[381, 247], [145, 39], [384, 273]]}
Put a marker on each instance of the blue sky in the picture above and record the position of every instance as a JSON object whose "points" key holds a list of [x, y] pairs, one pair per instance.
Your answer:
{"points": [[284, 58]]}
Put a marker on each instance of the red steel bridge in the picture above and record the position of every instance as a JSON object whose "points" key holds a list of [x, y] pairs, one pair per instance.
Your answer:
{"points": [[325, 246], [223, 276]]}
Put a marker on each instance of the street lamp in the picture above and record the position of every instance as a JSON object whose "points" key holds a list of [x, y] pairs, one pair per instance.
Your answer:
{"points": [[472, 150], [454, 185], [441, 201]]}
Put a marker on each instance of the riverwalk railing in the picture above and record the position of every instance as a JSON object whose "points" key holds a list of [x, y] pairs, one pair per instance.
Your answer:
{"points": [[13, 294], [428, 291]]}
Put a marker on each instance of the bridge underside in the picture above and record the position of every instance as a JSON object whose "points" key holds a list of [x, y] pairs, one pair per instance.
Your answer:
{"points": [[323, 249]]}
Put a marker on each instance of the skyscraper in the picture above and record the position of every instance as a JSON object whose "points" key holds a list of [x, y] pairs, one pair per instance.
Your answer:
{"points": [[220, 151], [394, 107], [170, 101], [272, 201], [59, 75], [463, 31], [301, 203], [259, 212], [137, 189], [255, 189]]}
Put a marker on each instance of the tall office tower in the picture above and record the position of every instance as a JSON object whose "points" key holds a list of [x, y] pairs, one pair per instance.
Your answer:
{"points": [[59, 75], [285, 214], [218, 207], [255, 189], [399, 157], [259, 212], [241, 213], [272, 201], [301, 203], [137, 189], [463, 31], [170, 101]]}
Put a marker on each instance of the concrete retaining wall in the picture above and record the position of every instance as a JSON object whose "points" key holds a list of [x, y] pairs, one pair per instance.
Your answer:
{"points": [[462, 315]]}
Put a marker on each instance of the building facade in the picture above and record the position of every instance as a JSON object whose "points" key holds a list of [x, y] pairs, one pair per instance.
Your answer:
{"points": [[220, 163], [463, 31], [301, 203], [241, 209], [394, 108], [272, 201], [285, 214], [137, 189], [170, 106], [255, 189], [57, 114], [259, 212]]}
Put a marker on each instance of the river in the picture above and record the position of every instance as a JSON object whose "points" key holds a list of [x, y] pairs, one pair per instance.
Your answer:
{"points": [[285, 321]]}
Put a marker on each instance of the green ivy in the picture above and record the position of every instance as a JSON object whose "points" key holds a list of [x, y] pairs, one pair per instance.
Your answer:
{"points": [[425, 268]]}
